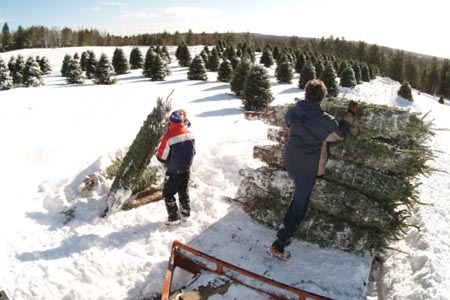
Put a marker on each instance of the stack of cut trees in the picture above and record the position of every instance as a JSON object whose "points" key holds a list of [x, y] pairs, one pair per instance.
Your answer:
{"points": [[367, 194]]}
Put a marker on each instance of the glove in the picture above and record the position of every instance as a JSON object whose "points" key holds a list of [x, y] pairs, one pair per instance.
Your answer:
{"points": [[352, 108]]}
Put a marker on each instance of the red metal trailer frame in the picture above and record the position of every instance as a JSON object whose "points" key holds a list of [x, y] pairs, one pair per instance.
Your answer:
{"points": [[194, 261]]}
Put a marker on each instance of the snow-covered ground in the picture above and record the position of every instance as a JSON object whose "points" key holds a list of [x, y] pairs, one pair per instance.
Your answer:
{"points": [[55, 135]]}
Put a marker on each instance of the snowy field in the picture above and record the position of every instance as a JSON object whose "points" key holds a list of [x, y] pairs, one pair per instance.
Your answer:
{"points": [[53, 136]]}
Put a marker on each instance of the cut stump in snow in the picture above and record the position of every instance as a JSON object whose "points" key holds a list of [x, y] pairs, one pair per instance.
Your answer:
{"points": [[149, 195]]}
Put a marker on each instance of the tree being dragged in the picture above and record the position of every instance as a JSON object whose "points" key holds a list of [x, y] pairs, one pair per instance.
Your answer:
{"points": [[130, 177], [363, 201]]}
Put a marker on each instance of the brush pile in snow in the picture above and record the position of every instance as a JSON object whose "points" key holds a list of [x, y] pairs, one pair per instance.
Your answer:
{"points": [[366, 196]]}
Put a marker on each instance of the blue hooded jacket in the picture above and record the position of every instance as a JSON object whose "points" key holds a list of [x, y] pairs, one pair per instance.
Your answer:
{"points": [[309, 126]]}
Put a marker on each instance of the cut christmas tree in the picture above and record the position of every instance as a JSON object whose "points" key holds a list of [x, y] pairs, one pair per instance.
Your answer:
{"points": [[369, 189]]}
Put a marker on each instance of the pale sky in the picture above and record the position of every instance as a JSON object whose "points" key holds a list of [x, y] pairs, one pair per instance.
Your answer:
{"points": [[412, 25]]}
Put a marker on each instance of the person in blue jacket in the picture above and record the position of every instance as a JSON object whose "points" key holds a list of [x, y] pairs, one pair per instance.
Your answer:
{"points": [[176, 151], [310, 129]]}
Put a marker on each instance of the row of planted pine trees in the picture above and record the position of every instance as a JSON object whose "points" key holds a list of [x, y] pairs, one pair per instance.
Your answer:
{"points": [[21, 72], [248, 80]]}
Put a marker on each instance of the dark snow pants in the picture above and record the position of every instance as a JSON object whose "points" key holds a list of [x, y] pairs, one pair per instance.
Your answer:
{"points": [[173, 184], [297, 208]]}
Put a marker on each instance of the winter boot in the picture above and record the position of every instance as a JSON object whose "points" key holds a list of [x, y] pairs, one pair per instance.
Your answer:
{"points": [[277, 250], [174, 222]]}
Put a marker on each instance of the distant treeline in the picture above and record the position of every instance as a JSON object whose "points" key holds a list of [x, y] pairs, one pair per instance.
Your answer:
{"points": [[425, 73]]}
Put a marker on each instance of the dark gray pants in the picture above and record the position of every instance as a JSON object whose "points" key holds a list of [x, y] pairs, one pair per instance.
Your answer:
{"points": [[297, 209], [177, 184]]}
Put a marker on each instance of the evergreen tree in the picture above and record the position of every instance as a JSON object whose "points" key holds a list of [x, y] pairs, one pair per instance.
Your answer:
{"points": [[7, 39], [165, 55], [318, 65], [104, 71], [64, 65], [44, 64], [207, 51], [6, 81], [433, 79], [12, 65], [18, 70], [205, 56], [74, 72], [136, 161], [412, 73], [149, 57], [32, 75], [230, 53], [396, 66], [342, 66], [214, 60], [178, 51], [83, 60], [185, 57], [197, 69], [120, 62], [348, 78], [225, 71], [276, 52], [358, 74], [300, 62], [239, 75], [267, 58], [365, 73], [308, 73], [329, 78], [405, 91], [234, 61], [444, 79], [284, 73], [91, 64], [257, 94], [158, 69]]}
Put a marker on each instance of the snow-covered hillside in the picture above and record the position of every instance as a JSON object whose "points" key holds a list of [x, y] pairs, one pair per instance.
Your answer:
{"points": [[53, 136]]}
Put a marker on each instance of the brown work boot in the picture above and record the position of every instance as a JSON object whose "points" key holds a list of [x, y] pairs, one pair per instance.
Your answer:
{"points": [[284, 256]]}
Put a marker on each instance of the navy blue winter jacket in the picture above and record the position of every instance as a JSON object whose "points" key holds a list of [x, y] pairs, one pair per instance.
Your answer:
{"points": [[309, 126], [177, 149]]}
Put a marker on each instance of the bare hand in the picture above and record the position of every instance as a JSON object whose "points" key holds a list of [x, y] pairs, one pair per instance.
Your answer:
{"points": [[352, 107]]}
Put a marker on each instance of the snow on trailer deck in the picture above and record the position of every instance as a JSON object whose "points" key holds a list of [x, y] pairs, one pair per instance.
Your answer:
{"points": [[236, 239]]}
